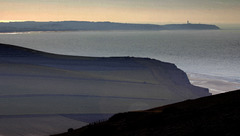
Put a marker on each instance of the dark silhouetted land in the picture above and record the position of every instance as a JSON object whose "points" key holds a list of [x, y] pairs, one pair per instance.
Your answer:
{"points": [[217, 115], [96, 26]]}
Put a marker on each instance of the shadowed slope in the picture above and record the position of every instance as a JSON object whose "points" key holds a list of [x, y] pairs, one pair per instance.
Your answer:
{"points": [[106, 85], [38, 83], [214, 115]]}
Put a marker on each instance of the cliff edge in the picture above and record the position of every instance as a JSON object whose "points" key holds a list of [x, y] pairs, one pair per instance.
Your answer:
{"points": [[96, 85]]}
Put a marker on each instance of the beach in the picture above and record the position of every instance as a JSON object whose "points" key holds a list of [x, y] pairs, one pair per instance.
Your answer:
{"points": [[215, 85]]}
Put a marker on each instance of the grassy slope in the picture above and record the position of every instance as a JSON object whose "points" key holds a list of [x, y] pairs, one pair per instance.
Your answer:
{"points": [[37, 126], [214, 115]]}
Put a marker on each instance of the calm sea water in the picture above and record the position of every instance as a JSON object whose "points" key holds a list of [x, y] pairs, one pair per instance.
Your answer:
{"points": [[210, 52]]}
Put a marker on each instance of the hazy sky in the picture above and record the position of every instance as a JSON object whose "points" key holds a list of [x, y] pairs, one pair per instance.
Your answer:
{"points": [[134, 11]]}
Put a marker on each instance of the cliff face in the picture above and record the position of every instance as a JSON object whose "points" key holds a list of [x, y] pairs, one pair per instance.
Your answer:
{"points": [[58, 84]]}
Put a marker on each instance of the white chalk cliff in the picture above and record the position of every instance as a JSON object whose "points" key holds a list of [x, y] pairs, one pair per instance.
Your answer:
{"points": [[35, 82]]}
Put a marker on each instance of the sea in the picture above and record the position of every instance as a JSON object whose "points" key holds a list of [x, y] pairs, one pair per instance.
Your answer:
{"points": [[213, 53]]}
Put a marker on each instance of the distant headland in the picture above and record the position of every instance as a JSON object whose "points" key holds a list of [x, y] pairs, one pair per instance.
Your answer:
{"points": [[96, 26]]}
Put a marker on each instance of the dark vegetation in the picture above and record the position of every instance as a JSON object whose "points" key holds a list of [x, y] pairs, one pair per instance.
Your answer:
{"points": [[94, 26], [217, 115]]}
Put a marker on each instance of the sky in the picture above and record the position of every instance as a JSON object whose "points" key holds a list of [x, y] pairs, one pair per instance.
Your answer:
{"points": [[130, 11]]}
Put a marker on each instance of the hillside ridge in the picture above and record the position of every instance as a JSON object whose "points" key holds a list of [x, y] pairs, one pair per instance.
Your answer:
{"points": [[39, 83], [212, 115]]}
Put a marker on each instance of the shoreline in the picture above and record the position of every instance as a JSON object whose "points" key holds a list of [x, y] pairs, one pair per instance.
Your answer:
{"points": [[215, 84]]}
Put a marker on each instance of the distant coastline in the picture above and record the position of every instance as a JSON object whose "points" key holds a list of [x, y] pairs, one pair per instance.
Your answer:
{"points": [[95, 26]]}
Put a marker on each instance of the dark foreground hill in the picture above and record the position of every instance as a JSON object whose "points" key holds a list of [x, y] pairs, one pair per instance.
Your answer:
{"points": [[217, 115], [95, 26]]}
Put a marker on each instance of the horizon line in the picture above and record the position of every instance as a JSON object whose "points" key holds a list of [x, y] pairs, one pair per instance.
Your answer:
{"points": [[160, 23]]}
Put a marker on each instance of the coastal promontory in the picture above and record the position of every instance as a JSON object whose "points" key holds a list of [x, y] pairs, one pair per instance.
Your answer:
{"points": [[96, 26], [40, 89]]}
